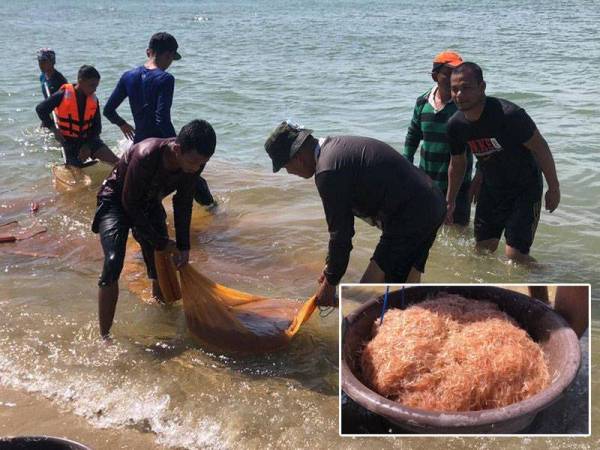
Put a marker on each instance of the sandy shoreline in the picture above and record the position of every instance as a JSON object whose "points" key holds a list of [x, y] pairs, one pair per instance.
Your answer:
{"points": [[23, 413]]}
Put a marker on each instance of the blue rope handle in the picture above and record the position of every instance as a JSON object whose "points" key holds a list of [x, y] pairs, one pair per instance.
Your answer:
{"points": [[385, 303], [402, 298]]}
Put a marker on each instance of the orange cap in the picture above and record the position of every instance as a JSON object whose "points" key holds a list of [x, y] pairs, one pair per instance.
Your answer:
{"points": [[449, 58]]}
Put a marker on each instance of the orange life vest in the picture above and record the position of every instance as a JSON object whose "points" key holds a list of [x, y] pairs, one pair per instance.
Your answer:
{"points": [[67, 113]]}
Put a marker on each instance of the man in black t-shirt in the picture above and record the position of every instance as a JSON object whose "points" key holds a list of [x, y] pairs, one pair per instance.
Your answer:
{"points": [[510, 152], [365, 178], [50, 79]]}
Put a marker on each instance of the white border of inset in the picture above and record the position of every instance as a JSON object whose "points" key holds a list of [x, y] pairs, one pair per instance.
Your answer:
{"points": [[443, 436]]}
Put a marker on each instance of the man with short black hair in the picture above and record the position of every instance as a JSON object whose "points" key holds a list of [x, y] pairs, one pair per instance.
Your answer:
{"points": [[131, 198], [510, 151], [366, 178], [78, 124], [150, 91], [428, 127], [50, 79]]}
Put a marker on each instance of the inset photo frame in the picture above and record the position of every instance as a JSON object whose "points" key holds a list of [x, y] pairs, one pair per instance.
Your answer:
{"points": [[465, 359]]}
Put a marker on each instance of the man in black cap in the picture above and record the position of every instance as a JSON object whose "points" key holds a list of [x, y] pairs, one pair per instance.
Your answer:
{"points": [[150, 91], [366, 178]]}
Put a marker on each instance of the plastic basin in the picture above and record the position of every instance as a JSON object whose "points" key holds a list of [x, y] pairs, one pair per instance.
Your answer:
{"points": [[39, 443], [558, 341]]}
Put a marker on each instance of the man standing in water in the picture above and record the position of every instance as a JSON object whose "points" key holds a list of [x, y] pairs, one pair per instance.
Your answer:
{"points": [[510, 152], [78, 123], [150, 90], [366, 178], [131, 198], [428, 127], [50, 79]]}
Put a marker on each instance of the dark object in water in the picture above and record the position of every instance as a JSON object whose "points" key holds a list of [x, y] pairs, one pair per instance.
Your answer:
{"points": [[559, 344], [40, 443]]}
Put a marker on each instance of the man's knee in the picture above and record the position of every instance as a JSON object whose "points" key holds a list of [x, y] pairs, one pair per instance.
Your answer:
{"points": [[111, 271], [103, 153], [517, 255], [414, 276], [373, 274]]}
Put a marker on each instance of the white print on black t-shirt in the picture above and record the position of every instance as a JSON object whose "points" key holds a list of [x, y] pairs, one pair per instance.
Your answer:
{"points": [[484, 147]]}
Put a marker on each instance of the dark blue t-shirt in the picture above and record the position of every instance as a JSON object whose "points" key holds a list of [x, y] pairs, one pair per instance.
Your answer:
{"points": [[150, 93]]}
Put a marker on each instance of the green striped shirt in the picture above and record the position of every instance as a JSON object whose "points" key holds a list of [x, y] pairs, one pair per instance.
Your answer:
{"points": [[428, 127]]}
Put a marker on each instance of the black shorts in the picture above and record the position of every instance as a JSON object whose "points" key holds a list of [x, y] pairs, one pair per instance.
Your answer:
{"points": [[73, 146], [515, 213], [405, 242], [111, 222]]}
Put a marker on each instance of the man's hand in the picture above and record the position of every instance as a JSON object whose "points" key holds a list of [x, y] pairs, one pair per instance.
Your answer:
{"points": [[475, 187], [322, 276], [543, 156], [182, 259], [552, 199], [128, 131], [326, 294], [456, 175], [59, 137], [171, 248]]}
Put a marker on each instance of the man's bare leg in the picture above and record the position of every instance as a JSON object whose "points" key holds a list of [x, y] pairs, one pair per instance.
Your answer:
{"points": [[105, 154], [156, 292], [515, 255], [572, 302], [488, 245], [414, 276], [539, 292], [373, 274], [107, 304]]}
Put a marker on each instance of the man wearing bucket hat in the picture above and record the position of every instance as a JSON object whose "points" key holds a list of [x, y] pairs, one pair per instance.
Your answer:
{"points": [[428, 127], [150, 91], [366, 178]]}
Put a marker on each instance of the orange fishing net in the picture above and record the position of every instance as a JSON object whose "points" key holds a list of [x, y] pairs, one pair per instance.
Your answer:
{"points": [[67, 177], [453, 354], [228, 319]]}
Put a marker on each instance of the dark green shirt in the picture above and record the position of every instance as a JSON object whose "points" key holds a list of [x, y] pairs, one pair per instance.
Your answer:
{"points": [[428, 127]]}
